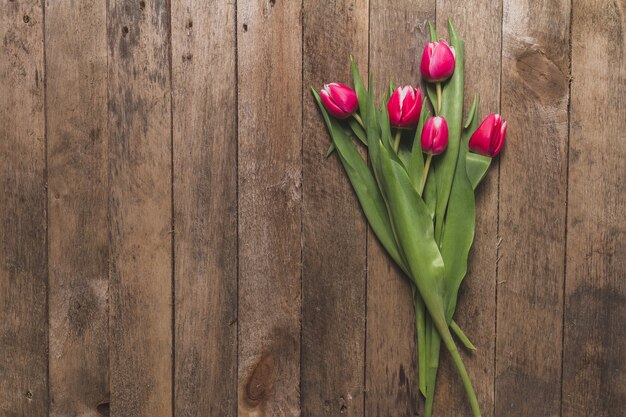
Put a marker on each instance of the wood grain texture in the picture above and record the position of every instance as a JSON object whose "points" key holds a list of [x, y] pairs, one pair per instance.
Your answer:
{"points": [[477, 299], [76, 67], [23, 265], [594, 368], [334, 231], [205, 207], [140, 209], [398, 33], [269, 50], [533, 168]]}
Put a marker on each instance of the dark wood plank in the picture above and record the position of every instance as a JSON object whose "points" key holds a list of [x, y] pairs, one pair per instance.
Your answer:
{"points": [[533, 167], [334, 233], [270, 146], [205, 207], [23, 265], [140, 208], [594, 368], [476, 308], [398, 33], [78, 233]]}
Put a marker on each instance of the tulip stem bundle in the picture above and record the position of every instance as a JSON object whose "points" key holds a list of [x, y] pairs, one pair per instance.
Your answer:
{"points": [[419, 201]]}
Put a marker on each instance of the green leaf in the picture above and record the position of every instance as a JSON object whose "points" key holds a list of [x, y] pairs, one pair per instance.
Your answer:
{"points": [[433, 32], [358, 131], [413, 229], [364, 185], [476, 166], [359, 87], [461, 335], [452, 110], [472, 112], [416, 162], [458, 234]]}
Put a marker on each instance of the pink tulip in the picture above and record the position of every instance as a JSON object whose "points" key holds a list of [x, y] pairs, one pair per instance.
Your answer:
{"points": [[339, 100], [404, 107], [489, 137], [435, 135], [437, 62]]}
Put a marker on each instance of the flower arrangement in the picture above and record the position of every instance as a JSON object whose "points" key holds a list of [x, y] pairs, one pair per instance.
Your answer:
{"points": [[417, 192]]}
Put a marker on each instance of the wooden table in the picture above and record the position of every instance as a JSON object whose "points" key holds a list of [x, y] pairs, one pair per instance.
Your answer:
{"points": [[173, 241]]}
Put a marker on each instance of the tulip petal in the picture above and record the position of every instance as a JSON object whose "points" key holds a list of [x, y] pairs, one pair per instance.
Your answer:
{"points": [[331, 106], [394, 107]]}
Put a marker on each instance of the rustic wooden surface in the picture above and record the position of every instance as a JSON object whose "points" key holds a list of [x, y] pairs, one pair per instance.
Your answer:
{"points": [[175, 243]]}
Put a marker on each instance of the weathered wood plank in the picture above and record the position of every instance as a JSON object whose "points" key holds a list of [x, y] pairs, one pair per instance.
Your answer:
{"points": [[479, 23], [334, 232], [535, 95], [594, 368], [76, 67], [398, 33], [23, 265], [205, 207], [270, 146], [140, 209]]}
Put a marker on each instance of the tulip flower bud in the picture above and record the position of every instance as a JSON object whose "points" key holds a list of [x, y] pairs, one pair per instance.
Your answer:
{"points": [[489, 137], [339, 100], [437, 62], [435, 135], [404, 107]]}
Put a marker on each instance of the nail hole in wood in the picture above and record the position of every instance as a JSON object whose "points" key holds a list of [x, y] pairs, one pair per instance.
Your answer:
{"points": [[125, 31], [26, 18], [142, 5], [245, 27], [272, 3], [29, 394], [103, 409], [189, 24]]}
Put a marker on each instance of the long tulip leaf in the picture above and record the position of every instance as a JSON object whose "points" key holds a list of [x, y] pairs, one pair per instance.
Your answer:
{"points": [[416, 162], [460, 224], [413, 230], [452, 110], [359, 87], [364, 185]]}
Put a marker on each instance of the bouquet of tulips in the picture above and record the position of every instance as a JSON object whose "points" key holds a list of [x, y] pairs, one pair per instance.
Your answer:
{"points": [[417, 192]]}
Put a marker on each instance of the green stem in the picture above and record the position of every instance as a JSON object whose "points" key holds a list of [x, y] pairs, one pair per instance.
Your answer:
{"points": [[420, 327], [438, 98], [433, 366], [358, 119], [446, 336], [396, 142], [425, 174]]}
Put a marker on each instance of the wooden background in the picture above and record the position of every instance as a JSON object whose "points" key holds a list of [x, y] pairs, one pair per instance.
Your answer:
{"points": [[173, 241]]}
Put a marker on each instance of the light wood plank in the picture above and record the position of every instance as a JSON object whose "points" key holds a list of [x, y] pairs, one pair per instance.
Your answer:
{"points": [[476, 307], [334, 231], [533, 169], [594, 368], [78, 233], [398, 33], [270, 146], [140, 209], [23, 265], [205, 207]]}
